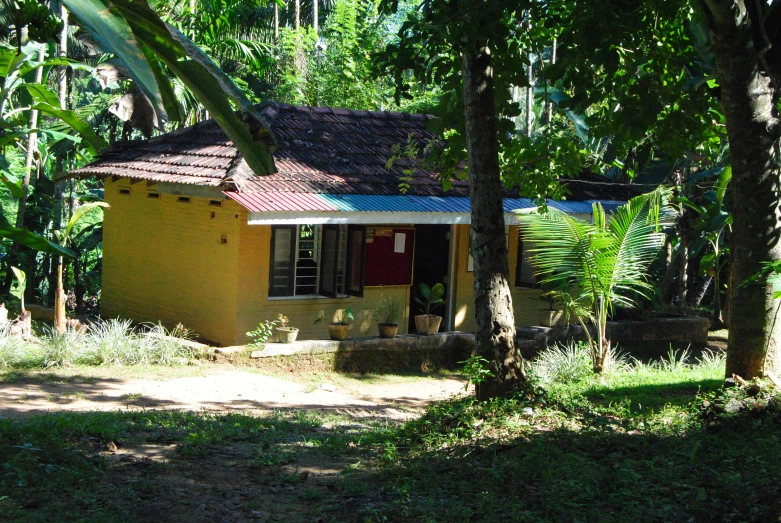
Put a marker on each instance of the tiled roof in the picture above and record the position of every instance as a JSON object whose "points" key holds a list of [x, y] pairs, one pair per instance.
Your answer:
{"points": [[322, 150]]}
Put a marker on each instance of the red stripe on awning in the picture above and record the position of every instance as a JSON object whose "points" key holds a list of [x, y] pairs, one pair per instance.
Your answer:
{"points": [[280, 201]]}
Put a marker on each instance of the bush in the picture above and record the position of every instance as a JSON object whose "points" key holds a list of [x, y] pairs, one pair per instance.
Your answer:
{"points": [[11, 349], [108, 342], [563, 363]]}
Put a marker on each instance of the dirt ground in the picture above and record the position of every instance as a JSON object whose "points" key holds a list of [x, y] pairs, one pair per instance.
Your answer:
{"points": [[221, 390], [145, 478]]}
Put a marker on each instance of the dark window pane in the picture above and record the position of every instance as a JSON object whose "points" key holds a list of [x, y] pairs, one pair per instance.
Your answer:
{"points": [[282, 275], [329, 260], [356, 246]]}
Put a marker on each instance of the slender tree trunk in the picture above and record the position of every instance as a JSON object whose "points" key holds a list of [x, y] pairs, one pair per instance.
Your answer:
{"points": [[548, 102], [530, 88], [683, 263], [315, 14], [750, 104], [494, 320], [298, 14], [32, 144], [59, 293], [669, 277], [699, 292], [276, 22]]}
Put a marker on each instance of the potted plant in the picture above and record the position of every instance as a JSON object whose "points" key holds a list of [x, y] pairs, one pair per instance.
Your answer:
{"points": [[339, 328], [278, 327], [284, 333], [550, 317], [429, 298], [387, 313]]}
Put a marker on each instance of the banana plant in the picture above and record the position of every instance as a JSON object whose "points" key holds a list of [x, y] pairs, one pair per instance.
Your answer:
{"points": [[64, 238], [20, 287], [713, 222], [147, 47], [15, 64]]}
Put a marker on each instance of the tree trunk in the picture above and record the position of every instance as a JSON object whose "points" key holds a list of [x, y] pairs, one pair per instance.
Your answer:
{"points": [[32, 144], [494, 320], [298, 14], [749, 101], [59, 293], [666, 286], [276, 22], [315, 14], [696, 297]]}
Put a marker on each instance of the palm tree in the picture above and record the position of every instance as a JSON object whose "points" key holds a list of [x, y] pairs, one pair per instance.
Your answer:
{"points": [[594, 266]]}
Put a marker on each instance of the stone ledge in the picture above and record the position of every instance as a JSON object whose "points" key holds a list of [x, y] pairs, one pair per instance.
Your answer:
{"points": [[442, 340]]}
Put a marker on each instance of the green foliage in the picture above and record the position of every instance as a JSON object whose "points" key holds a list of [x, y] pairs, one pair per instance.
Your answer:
{"points": [[430, 298], [40, 23], [107, 342], [594, 266], [477, 370], [563, 364], [387, 310], [153, 40], [265, 330], [20, 285], [12, 349]]}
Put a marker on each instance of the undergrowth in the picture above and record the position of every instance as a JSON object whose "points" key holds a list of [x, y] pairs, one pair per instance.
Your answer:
{"points": [[107, 342]]}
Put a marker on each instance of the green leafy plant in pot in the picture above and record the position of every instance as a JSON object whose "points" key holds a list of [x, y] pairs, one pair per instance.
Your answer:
{"points": [[340, 327], [278, 328], [387, 312], [430, 298]]}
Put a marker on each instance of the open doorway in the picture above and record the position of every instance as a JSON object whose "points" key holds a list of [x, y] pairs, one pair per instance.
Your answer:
{"points": [[431, 265]]}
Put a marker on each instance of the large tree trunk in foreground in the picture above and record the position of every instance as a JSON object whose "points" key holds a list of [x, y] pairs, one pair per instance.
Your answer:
{"points": [[494, 320], [749, 101]]}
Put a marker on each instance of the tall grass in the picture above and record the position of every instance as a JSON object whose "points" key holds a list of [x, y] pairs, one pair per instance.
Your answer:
{"points": [[11, 349], [107, 342], [571, 363]]}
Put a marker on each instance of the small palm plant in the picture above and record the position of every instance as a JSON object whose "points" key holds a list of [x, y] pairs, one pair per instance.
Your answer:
{"points": [[594, 266]]}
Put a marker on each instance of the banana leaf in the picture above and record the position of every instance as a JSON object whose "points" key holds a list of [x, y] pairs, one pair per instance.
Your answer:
{"points": [[248, 130], [32, 240], [80, 126], [112, 33]]}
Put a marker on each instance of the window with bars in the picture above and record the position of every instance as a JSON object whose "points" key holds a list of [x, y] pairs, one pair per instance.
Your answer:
{"points": [[317, 260]]}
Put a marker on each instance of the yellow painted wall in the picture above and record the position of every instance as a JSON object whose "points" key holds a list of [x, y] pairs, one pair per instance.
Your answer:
{"points": [[526, 303], [255, 306], [163, 260]]}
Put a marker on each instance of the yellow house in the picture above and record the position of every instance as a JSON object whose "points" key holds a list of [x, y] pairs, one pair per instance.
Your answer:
{"points": [[193, 237]]}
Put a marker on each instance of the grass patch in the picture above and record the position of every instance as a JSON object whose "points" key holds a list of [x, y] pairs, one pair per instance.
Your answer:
{"points": [[647, 442], [110, 342]]}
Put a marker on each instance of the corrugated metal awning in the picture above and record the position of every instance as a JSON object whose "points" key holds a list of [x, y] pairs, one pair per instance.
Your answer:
{"points": [[281, 208]]}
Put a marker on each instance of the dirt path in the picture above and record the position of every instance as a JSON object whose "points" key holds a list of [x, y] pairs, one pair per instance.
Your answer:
{"points": [[224, 390]]}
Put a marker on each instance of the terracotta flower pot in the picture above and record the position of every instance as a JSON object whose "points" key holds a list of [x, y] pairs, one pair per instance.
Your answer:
{"points": [[550, 318], [387, 330], [286, 334], [427, 324], [337, 331]]}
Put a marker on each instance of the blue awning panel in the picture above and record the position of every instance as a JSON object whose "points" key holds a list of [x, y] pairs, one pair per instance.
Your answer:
{"points": [[401, 203]]}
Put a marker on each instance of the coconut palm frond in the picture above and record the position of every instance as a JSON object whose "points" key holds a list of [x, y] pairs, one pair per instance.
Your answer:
{"points": [[595, 266]]}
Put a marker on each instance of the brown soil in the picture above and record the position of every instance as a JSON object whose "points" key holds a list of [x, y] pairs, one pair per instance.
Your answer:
{"points": [[223, 390]]}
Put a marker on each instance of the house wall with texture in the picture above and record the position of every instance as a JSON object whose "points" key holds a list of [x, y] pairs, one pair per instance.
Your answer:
{"points": [[526, 302], [170, 261], [203, 266]]}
